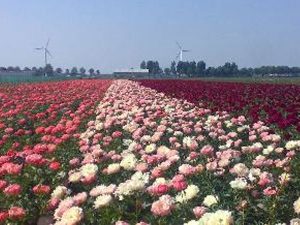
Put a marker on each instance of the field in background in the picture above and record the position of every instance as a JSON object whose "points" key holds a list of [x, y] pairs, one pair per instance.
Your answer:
{"points": [[276, 103], [20, 77], [273, 80]]}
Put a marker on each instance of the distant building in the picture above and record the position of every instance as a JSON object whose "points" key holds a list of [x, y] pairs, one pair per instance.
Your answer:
{"points": [[131, 72]]}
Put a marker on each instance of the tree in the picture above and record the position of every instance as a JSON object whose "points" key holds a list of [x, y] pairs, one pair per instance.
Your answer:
{"points": [[67, 71], [10, 69], [150, 66], [34, 68], [143, 65], [48, 70], [157, 69], [167, 71], [191, 68], [26, 69], [173, 67], [2, 69], [17, 69], [180, 68], [74, 71], [200, 70], [91, 71], [98, 72], [246, 72], [39, 71], [58, 70], [82, 70], [153, 67], [211, 71]]}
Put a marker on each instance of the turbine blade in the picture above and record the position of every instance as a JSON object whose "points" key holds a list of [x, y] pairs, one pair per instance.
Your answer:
{"points": [[47, 51], [47, 43], [184, 50], [179, 46], [39, 48]]}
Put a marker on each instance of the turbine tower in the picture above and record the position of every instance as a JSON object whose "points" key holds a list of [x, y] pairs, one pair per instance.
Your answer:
{"points": [[46, 51], [181, 51]]}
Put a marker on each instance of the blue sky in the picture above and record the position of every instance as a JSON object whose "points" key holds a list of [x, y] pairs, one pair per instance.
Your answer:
{"points": [[112, 34]]}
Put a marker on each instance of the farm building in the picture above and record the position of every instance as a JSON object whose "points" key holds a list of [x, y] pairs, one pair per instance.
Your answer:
{"points": [[131, 73]]}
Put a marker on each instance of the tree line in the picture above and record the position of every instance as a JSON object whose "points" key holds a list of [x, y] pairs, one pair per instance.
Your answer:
{"points": [[198, 69], [50, 71]]}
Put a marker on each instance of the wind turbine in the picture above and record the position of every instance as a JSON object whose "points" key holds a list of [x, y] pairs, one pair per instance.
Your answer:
{"points": [[46, 51], [181, 51]]}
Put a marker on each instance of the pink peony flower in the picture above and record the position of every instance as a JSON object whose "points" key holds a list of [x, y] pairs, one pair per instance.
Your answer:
{"points": [[12, 189], [116, 134], [3, 184], [41, 189], [35, 159], [120, 222], [159, 189], [163, 206], [74, 162], [207, 150], [157, 172], [265, 178], [80, 198], [16, 212], [10, 168], [212, 166], [269, 191], [142, 167], [199, 211], [53, 203], [178, 182]]}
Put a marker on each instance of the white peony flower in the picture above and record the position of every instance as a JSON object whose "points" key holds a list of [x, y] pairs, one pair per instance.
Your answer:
{"points": [[189, 193], [113, 168], [75, 177], [295, 221], [129, 162], [238, 183], [210, 200], [150, 148], [192, 222], [89, 169], [59, 192], [102, 200], [241, 170], [220, 217], [297, 206], [72, 216], [291, 145], [269, 149]]}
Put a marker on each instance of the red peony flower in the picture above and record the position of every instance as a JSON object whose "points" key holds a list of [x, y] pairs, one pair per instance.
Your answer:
{"points": [[3, 184], [3, 216], [41, 189], [54, 166]]}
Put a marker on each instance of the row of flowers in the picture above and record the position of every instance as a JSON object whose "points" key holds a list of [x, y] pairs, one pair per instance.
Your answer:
{"points": [[148, 158], [275, 104], [39, 129]]}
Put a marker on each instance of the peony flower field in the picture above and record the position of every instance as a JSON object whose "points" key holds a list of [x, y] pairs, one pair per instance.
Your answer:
{"points": [[149, 152]]}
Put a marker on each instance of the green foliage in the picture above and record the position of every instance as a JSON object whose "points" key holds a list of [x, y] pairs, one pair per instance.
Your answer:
{"points": [[82, 70], [91, 71], [74, 71]]}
